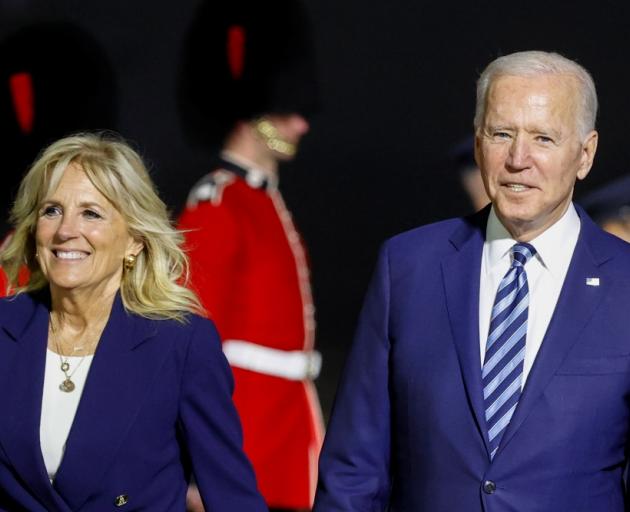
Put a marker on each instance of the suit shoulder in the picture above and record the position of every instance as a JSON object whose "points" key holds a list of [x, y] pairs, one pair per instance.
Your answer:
{"points": [[16, 311], [618, 248], [201, 344], [17, 303], [200, 324], [425, 248], [193, 327], [436, 236], [617, 243], [191, 323], [436, 230], [606, 249]]}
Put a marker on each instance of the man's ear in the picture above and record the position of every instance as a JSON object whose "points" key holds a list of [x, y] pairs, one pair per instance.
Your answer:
{"points": [[477, 147], [589, 148]]}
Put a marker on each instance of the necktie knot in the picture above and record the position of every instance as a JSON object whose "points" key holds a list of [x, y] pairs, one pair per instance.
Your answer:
{"points": [[522, 252]]}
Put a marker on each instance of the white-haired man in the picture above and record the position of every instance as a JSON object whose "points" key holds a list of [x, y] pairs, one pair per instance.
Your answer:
{"points": [[491, 366]]}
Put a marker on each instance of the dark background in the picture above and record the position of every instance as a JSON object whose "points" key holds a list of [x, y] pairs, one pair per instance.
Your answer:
{"points": [[398, 86]]}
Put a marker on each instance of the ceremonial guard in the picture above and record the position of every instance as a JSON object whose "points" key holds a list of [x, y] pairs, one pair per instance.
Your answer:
{"points": [[248, 83]]}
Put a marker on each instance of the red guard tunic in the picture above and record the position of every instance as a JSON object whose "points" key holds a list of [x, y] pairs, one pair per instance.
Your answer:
{"points": [[249, 268], [23, 276]]}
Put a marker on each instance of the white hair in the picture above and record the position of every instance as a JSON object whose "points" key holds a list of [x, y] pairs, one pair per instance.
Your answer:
{"points": [[536, 63]]}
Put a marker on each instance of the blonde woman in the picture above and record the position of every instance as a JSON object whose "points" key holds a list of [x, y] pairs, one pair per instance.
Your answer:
{"points": [[113, 389]]}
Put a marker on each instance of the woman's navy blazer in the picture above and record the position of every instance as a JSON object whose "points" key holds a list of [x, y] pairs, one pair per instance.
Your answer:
{"points": [[156, 406]]}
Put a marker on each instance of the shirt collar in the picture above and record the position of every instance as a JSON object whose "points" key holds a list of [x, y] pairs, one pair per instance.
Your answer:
{"points": [[554, 256]]}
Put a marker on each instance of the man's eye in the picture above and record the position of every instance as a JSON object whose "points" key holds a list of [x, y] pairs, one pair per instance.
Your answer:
{"points": [[501, 135], [544, 138]]}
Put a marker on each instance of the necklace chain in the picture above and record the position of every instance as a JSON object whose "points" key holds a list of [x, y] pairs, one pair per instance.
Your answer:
{"points": [[67, 385]]}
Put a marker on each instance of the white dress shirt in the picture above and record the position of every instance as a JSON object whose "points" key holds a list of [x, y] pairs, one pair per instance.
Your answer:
{"points": [[545, 276]]}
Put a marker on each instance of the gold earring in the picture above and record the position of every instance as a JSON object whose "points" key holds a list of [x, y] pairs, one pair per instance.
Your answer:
{"points": [[129, 262]]}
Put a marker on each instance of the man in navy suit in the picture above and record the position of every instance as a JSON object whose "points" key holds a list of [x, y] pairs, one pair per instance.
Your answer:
{"points": [[491, 365]]}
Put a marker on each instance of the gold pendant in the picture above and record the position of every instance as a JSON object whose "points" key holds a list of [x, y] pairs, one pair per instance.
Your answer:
{"points": [[67, 386]]}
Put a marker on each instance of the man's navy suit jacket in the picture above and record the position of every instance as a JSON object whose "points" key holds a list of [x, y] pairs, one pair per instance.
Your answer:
{"points": [[157, 401], [408, 432]]}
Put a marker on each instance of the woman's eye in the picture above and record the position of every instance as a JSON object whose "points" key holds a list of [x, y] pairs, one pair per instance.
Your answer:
{"points": [[51, 211], [91, 214]]}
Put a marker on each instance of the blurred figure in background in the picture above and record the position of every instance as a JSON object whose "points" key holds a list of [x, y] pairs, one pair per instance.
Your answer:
{"points": [[55, 79], [463, 156], [248, 89], [609, 206]]}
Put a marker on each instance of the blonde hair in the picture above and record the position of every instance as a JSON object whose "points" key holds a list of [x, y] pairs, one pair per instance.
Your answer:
{"points": [[154, 287]]}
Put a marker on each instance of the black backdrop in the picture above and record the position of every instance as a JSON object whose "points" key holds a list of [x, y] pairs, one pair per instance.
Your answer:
{"points": [[398, 88]]}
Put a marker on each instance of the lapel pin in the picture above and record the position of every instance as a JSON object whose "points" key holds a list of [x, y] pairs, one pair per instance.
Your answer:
{"points": [[592, 281]]}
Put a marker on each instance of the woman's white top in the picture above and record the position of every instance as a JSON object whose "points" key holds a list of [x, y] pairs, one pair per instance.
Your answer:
{"points": [[59, 407]]}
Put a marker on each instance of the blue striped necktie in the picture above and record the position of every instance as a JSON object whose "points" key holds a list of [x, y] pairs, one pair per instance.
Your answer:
{"points": [[502, 371]]}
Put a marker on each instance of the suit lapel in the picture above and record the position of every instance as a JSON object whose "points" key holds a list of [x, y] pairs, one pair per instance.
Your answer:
{"points": [[118, 379], [575, 307], [22, 400], [461, 273]]}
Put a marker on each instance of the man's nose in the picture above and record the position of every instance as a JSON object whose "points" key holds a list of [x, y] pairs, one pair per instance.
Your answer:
{"points": [[300, 123], [519, 156]]}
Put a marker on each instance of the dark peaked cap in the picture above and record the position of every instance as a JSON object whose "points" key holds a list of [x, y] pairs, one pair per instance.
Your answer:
{"points": [[242, 59]]}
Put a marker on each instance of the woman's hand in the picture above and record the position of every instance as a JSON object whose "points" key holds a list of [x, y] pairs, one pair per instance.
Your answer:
{"points": [[193, 499]]}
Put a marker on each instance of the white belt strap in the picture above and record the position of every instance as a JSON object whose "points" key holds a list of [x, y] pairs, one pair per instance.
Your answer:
{"points": [[288, 364]]}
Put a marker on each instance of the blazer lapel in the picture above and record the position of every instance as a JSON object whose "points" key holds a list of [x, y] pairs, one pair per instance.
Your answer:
{"points": [[461, 273], [118, 379], [22, 400], [576, 305]]}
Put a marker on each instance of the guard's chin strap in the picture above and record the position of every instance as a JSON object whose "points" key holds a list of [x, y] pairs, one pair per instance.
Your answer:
{"points": [[269, 134]]}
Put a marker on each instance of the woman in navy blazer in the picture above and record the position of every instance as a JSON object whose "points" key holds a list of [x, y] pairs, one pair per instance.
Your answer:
{"points": [[113, 391]]}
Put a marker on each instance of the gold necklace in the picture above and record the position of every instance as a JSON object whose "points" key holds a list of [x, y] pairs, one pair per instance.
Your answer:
{"points": [[67, 386]]}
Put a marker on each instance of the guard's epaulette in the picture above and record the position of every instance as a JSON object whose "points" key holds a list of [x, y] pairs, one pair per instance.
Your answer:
{"points": [[210, 188]]}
